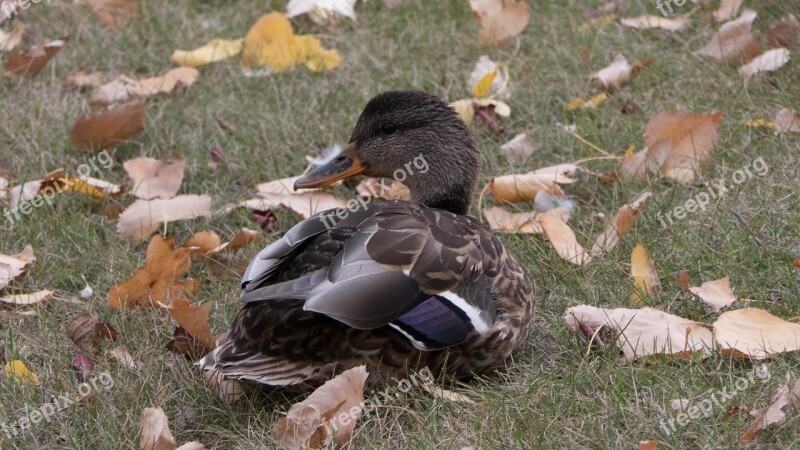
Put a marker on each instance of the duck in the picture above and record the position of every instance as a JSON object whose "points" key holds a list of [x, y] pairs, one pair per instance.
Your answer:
{"points": [[397, 286]]}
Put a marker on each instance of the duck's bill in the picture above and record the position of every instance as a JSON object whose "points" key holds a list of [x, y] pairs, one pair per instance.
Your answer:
{"points": [[345, 165]]}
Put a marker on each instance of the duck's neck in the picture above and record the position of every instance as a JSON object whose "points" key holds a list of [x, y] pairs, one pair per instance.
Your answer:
{"points": [[447, 188]]}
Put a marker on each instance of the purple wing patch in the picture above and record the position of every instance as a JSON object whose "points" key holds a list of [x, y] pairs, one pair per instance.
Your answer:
{"points": [[435, 323]]}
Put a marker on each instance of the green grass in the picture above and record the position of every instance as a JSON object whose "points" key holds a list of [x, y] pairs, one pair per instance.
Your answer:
{"points": [[551, 394]]}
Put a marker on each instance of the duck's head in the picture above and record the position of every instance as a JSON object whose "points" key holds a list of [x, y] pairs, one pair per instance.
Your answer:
{"points": [[415, 138]]}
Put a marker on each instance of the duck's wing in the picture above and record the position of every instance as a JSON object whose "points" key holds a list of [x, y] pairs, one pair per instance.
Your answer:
{"points": [[426, 273]]}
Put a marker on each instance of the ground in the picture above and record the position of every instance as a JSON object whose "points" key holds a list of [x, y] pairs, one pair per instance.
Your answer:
{"points": [[553, 391]]}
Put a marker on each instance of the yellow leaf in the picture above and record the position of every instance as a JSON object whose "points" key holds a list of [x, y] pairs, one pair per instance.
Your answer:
{"points": [[645, 279], [482, 88], [272, 43], [596, 100], [464, 109], [19, 371], [215, 50], [760, 123], [629, 151], [575, 104]]}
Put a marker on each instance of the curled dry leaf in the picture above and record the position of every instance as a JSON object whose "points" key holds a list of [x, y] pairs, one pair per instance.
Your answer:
{"points": [[619, 224], [446, 394], [12, 266], [465, 109], [646, 22], [486, 79], [775, 413], [755, 333], [9, 40], [281, 193], [19, 372], [112, 12], [525, 187], [29, 64], [734, 41], [787, 121], [563, 240], [86, 332], [184, 344], [155, 178], [501, 20], [157, 280], [27, 299], [645, 279], [376, 188], [216, 50], [109, 128], [123, 356], [321, 12], [716, 294], [244, 237], [519, 148], [271, 42], [727, 9], [226, 390], [154, 431], [785, 32], [122, 88], [194, 320], [520, 222], [769, 61], [143, 217], [646, 331], [81, 79], [330, 412], [203, 242]]}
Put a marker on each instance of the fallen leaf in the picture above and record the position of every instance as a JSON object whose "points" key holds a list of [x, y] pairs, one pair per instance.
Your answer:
{"points": [[648, 445], [123, 356], [563, 240], [195, 321], [112, 12], [785, 32], [12, 266], [769, 61], [184, 344], [716, 294], [109, 128], [734, 41], [579, 103], [123, 88], [155, 178], [154, 431], [618, 73], [598, 23], [271, 42], [281, 194], [29, 64], [773, 415], [646, 331], [376, 189], [645, 279], [216, 50], [519, 148], [727, 9], [244, 237], [525, 187], [227, 390], [646, 22], [27, 299], [787, 121], [82, 331], [755, 333], [520, 222], [143, 217], [81, 79], [329, 413], [157, 280], [501, 20], [203, 242], [446, 394], [11, 39], [17, 370], [619, 224], [465, 109], [321, 12], [81, 367], [486, 79]]}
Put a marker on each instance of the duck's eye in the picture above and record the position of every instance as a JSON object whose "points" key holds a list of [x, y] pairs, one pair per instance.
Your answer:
{"points": [[388, 128]]}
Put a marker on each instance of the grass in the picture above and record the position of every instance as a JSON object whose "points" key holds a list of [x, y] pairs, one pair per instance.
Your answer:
{"points": [[552, 393]]}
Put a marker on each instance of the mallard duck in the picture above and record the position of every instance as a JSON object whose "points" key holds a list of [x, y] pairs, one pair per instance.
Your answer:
{"points": [[396, 285]]}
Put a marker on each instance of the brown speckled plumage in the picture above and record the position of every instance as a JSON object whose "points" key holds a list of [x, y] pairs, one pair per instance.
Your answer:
{"points": [[319, 300]]}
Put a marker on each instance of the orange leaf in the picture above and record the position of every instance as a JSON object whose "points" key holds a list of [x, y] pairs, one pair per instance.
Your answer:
{"points": [[31, 63], [109, 128], [195, 321]]}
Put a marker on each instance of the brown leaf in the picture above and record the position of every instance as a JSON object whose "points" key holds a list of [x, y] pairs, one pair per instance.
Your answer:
{"points": [[29, 64], [186, 345], [773, 415], [112, 12], [9, 40], [281, 193], [785, 32], [155, 178], [646, 22], [520, 222], [618, 73], [648, 445], [755, 333], [619, 225], [734, 41], [645, 279], [109, 128], [787, 121], [82, 330], [154, 431], [563, 240], [646, 331], [716, 294], [144, 217], [524, 187], [203, 242], [244, 237], [81, 79], [487, 114], [122, 88], [329, 413], [519, 148], [501, 20], [12, 266], [157, 280], [195, 321]]}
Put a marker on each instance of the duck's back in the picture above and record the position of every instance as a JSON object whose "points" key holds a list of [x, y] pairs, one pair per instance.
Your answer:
{"points": [[395, 285]]}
